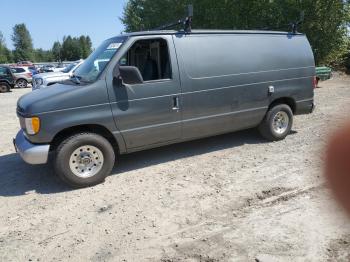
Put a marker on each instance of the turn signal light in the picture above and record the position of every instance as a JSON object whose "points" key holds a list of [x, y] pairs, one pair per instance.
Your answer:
{"points": [[32, 125]]}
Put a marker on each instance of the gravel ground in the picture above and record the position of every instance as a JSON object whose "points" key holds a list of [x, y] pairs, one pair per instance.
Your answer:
{"points": [[228, 198]]}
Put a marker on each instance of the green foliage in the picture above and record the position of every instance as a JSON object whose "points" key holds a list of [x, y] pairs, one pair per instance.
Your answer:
{"points": [[5, 53], [325, 22], [56, 51], [74, 48], [71, 48], [344, 55], [22, 42], [41, 55], [133, 16], [85, 45]]}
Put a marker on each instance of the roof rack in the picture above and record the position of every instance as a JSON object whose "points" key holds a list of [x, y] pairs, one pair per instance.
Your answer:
{"points": [[294, 25], [186, 22]]}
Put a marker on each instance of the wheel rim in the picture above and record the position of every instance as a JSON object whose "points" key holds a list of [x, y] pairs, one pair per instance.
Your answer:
{"points": [[3, 88], [86, 161], [280, 122], [22, 83]]}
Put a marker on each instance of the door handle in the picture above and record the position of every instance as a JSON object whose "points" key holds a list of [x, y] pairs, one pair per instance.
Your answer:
{"points": [[176, 103]]}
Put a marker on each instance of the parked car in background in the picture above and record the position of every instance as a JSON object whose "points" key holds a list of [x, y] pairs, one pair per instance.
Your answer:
{"points": [[33, 69], [25, 63], [7, 79], [48, 79], [47, 68], [23, 76], [59, 68]]}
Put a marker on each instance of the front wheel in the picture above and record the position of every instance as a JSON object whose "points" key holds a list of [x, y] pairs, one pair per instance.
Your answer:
{"points": [[84, 159], [22, 83], [277, 123], [4, 87]]}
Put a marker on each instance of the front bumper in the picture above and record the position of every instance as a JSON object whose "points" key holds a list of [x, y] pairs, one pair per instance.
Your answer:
{"points": [[30, 153]]}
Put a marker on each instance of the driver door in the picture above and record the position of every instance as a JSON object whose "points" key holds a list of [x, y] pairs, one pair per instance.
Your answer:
{"points": [[149, 113]]}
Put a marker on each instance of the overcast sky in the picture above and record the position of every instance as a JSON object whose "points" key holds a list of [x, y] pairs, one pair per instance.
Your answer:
{"points": [[50, 20]]}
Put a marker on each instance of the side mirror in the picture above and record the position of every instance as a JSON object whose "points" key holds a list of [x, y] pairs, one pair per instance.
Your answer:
{"points": [[131, 75]]}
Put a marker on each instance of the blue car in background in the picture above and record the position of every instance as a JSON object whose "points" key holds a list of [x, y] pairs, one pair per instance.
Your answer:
{"points": [[33, 70]]}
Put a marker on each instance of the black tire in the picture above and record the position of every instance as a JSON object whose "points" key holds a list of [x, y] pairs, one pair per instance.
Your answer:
{"points": [[67, 147], [266, 127], [22, 83], [4, 87]]}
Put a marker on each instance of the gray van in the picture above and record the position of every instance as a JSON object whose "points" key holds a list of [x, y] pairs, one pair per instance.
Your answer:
{"points": [[149, 89]]}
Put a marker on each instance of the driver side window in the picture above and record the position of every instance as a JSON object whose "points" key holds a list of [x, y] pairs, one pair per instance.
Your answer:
{"points": [[151, 57], [4, 71]]}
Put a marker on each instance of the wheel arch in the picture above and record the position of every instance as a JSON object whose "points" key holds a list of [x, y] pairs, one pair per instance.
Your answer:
{"points": [[21, 78], [284, 100], [92, 128], [5, 81]]}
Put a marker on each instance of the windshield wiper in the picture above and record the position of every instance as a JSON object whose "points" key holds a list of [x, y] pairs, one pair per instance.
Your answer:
{"points": [[75, 79]]}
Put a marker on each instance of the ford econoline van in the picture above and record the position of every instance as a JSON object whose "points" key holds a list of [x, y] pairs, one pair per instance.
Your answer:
{"points": [[144, 90]]}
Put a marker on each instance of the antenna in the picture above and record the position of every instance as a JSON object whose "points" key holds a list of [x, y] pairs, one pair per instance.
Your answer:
{"points": [[186, 22], [188, 19], [295, 25]]}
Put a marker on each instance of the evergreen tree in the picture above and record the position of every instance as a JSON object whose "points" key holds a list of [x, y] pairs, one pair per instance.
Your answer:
{"points": [[75, 48], [5, 53], [43, 55], [56, 51], [86, 46], [71, 50], [22, 42]]}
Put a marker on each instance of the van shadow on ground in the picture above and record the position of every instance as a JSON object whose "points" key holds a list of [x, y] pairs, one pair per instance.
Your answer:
{"points": [[18, 178]]}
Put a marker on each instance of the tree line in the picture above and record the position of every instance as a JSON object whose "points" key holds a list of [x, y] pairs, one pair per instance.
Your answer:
{"points": [[326, 22], [70, 49]]}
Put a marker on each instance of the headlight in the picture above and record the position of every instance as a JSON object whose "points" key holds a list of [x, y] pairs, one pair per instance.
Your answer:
{"points": [[32, 125], [39, 81]]}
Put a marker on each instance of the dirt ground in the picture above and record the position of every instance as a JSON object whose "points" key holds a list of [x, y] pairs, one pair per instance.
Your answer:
{"points": [[228, 198]]}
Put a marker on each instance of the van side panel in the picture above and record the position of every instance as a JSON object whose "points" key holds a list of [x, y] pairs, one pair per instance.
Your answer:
{"points": [[226, 77]]}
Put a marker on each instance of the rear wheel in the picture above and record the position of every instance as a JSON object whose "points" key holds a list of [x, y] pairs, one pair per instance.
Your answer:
{"points": [[277, 123], [84, 159], [4, 87], [22, 83]]}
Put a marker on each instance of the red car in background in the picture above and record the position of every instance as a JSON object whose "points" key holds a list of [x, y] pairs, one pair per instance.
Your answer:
{"points": [[25, 63]]}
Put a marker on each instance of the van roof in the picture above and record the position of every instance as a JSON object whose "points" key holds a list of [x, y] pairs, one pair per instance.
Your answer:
{"points": [[173, 32]]}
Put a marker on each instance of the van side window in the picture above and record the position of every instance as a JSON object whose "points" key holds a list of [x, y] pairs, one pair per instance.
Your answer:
{"points": [[151, 57]]}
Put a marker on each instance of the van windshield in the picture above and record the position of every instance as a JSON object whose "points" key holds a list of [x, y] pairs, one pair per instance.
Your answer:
{"points": [[93, 66]]}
